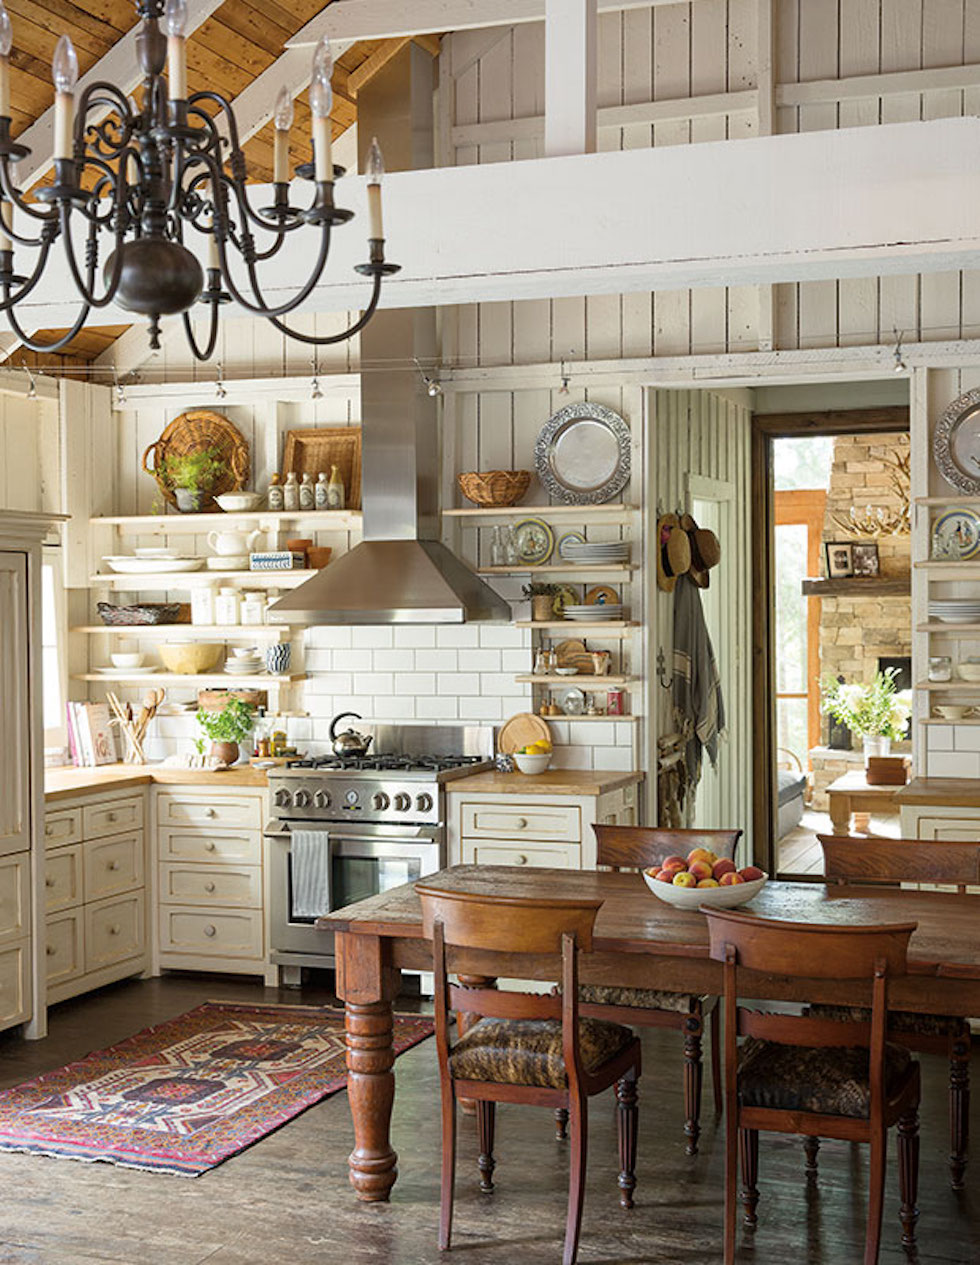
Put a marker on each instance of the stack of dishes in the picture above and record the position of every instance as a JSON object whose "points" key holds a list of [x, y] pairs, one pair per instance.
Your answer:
{"points": [[595, 614], [158, 562], [596, 552], [244, 662], [954, 610]]}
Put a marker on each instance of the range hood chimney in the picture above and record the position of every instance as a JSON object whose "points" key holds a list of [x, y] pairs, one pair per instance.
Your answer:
{"points": [[400, 573]]}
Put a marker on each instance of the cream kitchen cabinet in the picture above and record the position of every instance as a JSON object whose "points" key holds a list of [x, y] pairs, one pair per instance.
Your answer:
{"points": [[95, 895], [211, 881]]}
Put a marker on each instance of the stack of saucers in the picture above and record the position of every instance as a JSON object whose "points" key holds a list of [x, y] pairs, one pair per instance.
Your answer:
{"points": [[596, 552], [594, 614], [955, 610], [244, 662]]}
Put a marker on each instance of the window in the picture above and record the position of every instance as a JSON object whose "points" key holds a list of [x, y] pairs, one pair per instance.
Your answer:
{"points": [[53, 656]]}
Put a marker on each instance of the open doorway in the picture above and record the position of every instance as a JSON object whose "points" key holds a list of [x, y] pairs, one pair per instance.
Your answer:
{"points": [[832, 593]]}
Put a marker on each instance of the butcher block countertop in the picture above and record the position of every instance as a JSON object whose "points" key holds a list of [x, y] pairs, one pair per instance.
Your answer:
{"points": [[956, 792], [551, 782], [65, 783]]}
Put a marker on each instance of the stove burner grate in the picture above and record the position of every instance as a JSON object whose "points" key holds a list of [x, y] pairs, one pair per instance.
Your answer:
{"points": [[385, 763]]}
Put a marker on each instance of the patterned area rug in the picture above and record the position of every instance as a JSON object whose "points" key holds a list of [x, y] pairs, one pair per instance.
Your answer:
{"points": [[183, 1096]]}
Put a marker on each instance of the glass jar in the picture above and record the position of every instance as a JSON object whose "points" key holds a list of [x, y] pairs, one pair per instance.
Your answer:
{"points": [[253, 607], [940, 667], [227, 606]]}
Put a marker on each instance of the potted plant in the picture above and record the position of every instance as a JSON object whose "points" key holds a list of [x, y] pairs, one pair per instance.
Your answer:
{"points": [[542, 598], [192, 476], [878, 713], [226, 728]]}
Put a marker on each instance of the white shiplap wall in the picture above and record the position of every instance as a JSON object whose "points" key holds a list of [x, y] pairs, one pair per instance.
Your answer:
{"points": [[29, 458]]}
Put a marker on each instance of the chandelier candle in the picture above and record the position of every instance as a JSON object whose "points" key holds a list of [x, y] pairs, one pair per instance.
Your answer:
{"points": [[375, 172], [284, 121], [321, 103], [6, 43], [175, 23], [64, 72]]}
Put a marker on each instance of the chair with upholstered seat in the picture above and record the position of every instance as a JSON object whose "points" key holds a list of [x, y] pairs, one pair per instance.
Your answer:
{"points": [[635, 847], [819, 1077], [525, 1047], [893, 861]]}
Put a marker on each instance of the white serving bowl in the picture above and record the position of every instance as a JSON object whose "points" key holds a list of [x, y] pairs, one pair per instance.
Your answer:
{"points": [[239, 502], [968, 671], [126, 660], [532, 763], [717, 897], [156, 551]]}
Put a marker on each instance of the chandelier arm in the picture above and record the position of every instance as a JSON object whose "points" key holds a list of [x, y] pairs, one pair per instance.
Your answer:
{"points": [[86, 288], [34, 344], [9, 300], [212, 335], [14, 195], [335, 338], [260, 307]]}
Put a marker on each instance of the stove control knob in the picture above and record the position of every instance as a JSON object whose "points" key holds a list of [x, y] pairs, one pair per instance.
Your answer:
{"points": [[321, 799], [302, 799], [380, 802], [403, 802], [424, 803], [283, 798]]}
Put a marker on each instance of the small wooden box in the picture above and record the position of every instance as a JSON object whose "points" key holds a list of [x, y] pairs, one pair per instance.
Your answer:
{"points": [[887, 770]]}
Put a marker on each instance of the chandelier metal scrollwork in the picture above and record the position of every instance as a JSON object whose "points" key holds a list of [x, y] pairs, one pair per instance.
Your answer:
{"points": [[135, 180]]}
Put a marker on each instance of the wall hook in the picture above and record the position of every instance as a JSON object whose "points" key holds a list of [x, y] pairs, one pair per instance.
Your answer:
{"points": [[662, 669]]}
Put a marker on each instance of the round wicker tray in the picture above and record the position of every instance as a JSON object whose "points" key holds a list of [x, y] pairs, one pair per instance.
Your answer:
{"points": [[494, 488], [197, 430]]}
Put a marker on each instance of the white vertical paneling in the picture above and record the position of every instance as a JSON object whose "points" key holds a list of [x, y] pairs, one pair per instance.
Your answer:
{"points": [[970, 296], [672, 78], [742, 302]]}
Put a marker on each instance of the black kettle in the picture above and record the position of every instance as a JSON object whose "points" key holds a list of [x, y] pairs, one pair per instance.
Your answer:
{"points": [[350, 742]]}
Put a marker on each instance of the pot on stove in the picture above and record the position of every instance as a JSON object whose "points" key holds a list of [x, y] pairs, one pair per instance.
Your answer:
{"points": [[350, 742]]}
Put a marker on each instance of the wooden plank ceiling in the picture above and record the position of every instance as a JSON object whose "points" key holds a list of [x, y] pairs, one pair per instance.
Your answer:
{"points": [[239, 41]]}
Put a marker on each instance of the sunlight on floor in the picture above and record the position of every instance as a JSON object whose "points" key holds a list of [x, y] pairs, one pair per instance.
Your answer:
{"points": [[799, 853]]}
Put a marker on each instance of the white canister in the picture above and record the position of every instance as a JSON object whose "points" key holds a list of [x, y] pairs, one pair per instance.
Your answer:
{"points": [[226, 606], [202, 604], [253, 607]]}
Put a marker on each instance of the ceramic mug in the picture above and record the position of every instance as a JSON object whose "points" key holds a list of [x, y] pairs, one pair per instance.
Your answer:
{"points": [[278, 658]]}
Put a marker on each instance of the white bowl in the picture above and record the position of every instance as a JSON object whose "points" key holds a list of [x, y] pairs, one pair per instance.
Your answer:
{"points": [[156, 551], [126, 660], [716, 897], [245, 652], [951, 711], [532, 763], [229, 562], [239, 502], [567, 671], [968, 671]]}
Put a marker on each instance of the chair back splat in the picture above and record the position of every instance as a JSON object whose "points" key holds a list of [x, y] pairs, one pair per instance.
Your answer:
{"points": [[633, 847], [847, 860]]}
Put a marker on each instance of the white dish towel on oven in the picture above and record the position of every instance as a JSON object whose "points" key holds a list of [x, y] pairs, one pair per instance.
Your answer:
{"points": [[310, 853]]}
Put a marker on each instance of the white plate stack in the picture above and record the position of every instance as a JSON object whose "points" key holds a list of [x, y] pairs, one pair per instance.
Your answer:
{"points": [[591, 553], [594, 614], [244, 665], [955, 610]]}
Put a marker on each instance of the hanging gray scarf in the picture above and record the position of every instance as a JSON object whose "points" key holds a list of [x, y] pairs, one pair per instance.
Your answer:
{"points": [[697, 687]]}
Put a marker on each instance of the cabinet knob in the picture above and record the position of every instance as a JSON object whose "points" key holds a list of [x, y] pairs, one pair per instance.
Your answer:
{"points": [[210, 846], [110, 816], [114, 929], [209, 887], [210, 812], [521, 823], [49, 882], [112, 865], [210, 930], [521, 859], [50, 950]]}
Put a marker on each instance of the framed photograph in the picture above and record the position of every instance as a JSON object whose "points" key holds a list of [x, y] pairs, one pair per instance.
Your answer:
{"points": [[864, 557], [840, 560]]}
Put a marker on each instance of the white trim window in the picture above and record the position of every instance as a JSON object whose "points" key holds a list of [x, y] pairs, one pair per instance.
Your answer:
{"points": [[54, 657]]}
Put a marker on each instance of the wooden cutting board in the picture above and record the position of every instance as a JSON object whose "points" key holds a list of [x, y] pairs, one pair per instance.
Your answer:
{"points": [[573, 654], [520, 731]]}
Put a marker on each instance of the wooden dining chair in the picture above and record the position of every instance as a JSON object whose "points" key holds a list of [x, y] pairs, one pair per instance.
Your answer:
{"points": [[525, 1047], [816, 1076], [893, 861], [635, 847]]}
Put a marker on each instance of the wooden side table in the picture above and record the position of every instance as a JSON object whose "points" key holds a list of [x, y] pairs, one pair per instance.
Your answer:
{"points": [[851, 796]]}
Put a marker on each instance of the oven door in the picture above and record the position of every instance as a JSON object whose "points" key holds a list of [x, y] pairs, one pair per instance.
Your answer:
{"points": [[361, 861]]}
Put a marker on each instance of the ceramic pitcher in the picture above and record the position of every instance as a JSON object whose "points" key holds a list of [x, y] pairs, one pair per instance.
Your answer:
{"points": [[229, 543]]}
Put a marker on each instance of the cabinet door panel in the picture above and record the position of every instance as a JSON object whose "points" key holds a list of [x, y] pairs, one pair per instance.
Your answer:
{"points": [[15, 904], [15, 985], [113, 931], [522, 821], [113, 865], [113, 817], [221, 811], [235, 885], [64, 947], [63, 827], [950, 829], [15, 730], [63, 878], [210, 847], [500, 852]]}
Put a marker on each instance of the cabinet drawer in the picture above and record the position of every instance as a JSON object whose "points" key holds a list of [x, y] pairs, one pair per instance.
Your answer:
{"points": [[113, 931], [523, 821], [63, 878], [113, 865], [63, 826], [949, 829], [558, 856], [64, 947], [15, 985], [238, 886], [113, 817], [15, 901], [205, 933], [221, 811], [211, 847]]}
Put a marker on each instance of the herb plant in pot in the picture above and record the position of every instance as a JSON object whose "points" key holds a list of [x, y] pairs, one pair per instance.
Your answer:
{"points": [[542, 597], [226, 729], [192, 476]]}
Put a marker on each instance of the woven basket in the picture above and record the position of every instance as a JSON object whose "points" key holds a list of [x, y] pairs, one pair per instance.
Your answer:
{"points": [[495, 487], [197, 430]]}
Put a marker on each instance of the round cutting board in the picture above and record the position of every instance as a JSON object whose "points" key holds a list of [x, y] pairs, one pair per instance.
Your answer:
{"points": [[520, 731]]}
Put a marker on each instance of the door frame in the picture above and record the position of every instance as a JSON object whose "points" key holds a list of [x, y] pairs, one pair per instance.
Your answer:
{"points": [[765, 428]]}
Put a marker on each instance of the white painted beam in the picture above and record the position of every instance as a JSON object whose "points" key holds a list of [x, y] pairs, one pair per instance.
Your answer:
{"points": [[570, 71], [387, 19], [858, 87], [118, 66], [896, 199]]}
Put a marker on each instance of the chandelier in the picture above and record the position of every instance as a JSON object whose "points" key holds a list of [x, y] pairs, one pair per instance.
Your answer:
{"points": [[136, 182]]}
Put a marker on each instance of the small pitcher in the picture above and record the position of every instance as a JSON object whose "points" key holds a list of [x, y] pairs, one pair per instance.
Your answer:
{"points": [[227, 544]]}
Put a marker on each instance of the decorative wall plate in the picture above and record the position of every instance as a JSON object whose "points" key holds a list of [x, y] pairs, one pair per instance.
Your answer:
{"points": [[956, 535], [572, 702], [569, 538], [602, 595], [564, 596], [535, 541], [582, 454], [956, 443]]}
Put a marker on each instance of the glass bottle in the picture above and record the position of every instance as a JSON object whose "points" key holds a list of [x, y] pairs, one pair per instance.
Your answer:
{"points": [[511, 558], [498, 554], [275, 496], [290, 493], [307, 495], [335, 490], [321, 493]]}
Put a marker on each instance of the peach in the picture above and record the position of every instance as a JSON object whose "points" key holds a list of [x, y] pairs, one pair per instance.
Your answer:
{"points": [[751, 872], [724, 866], [730, 877], [673, 863], [666, 876], [701, 854], [709, 882], [683, 878], [700, 869]]}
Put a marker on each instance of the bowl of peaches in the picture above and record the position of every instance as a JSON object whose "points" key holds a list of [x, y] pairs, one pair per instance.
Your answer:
{"points": [[701, 878]]}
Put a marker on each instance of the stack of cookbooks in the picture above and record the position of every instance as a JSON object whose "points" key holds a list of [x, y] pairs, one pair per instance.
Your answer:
{"points": [[90, 736]]}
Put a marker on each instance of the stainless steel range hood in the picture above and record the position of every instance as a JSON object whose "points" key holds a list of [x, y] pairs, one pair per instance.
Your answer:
{"points": [[400, 573]]}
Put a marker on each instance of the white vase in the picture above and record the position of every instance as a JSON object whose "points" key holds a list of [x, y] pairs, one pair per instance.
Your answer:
{"points": [[876, 745]]}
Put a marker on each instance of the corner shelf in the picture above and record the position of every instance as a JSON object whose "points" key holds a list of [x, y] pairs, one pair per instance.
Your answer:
{"points": [[324, 520], [857, 586]]}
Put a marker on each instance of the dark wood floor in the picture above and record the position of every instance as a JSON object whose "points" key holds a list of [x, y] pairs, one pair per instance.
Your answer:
{"points": [[287, 1198]]}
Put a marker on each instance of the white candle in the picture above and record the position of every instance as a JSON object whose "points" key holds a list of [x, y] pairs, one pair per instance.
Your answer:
{"points": [[323, 148], [376, 228], [6, 220], [214, 259], [5, 86], [177, 67], [280, 161], [64, 118]]}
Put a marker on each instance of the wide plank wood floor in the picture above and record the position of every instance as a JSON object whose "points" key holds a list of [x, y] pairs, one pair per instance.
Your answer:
{"points": [[287, 1199]]}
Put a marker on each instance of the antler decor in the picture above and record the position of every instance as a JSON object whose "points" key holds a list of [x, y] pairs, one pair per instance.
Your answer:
{"points": [[877, 520]]}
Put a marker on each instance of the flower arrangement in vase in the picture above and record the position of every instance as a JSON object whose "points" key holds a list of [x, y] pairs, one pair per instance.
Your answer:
{"points": [[877, 712]]}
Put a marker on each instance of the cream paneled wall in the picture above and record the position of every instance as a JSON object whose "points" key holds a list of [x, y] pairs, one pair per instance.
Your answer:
{"points": [[29, 457]]}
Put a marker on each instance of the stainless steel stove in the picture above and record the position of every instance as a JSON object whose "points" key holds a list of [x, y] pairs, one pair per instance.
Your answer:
{"points": [[349, 827]]}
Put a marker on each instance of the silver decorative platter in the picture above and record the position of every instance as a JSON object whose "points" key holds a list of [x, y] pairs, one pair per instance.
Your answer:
{"points": [[582, 455], [956, 443]]}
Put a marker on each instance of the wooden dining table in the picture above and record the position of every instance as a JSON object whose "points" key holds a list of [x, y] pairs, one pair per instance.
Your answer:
{"points": [[639, 942]]}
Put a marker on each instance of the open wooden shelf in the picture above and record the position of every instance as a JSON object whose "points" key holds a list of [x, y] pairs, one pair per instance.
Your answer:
{"points": [[183, 632], [562, 568], [969, 569], [940, 628], [858, 586], [324, 520], [612, 629], [940, 720], [187, 579], [589, 719], [617, 512], [946, 500], [209, 679], [593, 682], [971, 687]]}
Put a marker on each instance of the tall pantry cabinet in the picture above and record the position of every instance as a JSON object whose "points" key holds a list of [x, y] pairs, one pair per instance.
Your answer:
{"points": [[21, 770]]}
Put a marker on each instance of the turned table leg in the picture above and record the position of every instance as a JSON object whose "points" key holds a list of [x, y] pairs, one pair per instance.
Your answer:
{"points": [[840, 813]]}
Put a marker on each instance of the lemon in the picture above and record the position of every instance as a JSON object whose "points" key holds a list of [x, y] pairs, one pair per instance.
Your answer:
{"points": [[541, 747]]}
